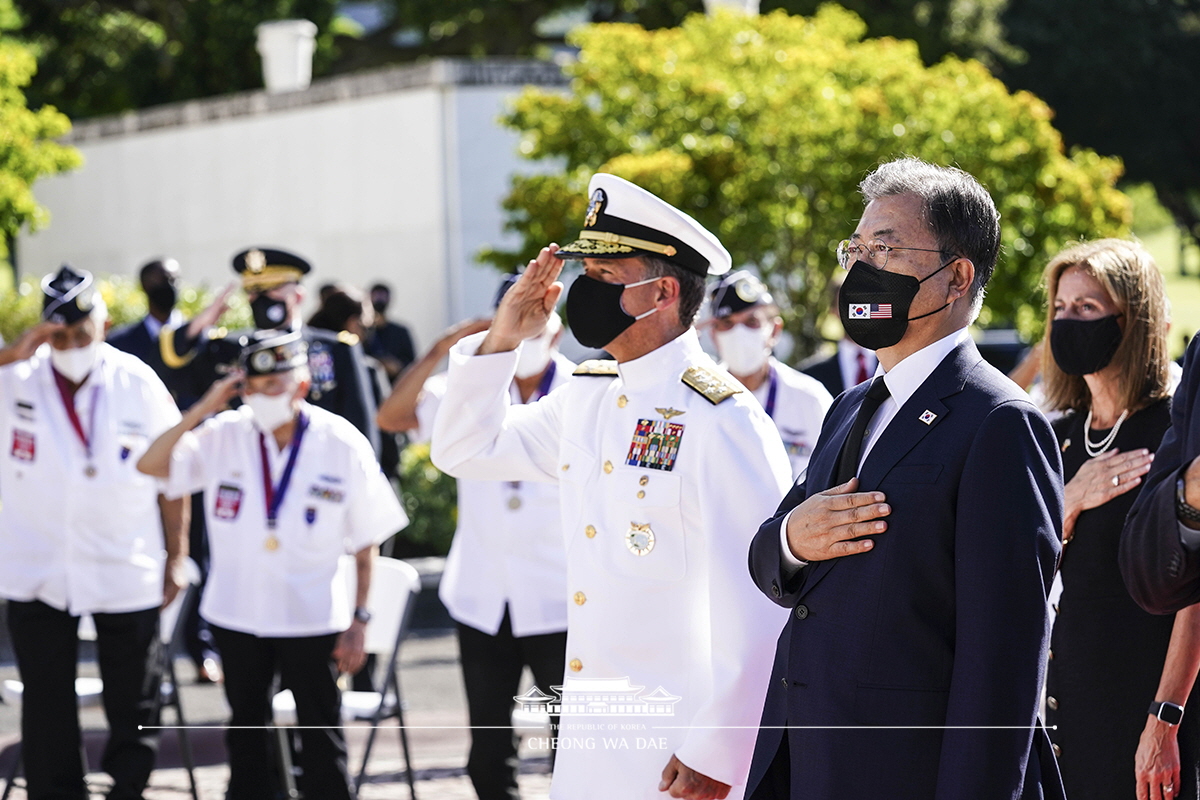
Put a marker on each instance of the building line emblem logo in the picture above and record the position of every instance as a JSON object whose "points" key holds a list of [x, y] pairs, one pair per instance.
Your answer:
{"points": [[602, 697]]}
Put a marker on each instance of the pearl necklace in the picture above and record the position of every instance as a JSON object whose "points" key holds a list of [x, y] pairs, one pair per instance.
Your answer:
{"points": [[1097, 448]]}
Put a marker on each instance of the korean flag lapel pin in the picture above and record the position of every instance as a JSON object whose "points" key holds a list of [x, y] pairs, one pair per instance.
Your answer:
{"points": [[927, 417]]}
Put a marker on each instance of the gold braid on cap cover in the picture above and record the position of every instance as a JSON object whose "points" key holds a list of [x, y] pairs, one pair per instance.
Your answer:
{"points": [[628, 241], [269, 276]]}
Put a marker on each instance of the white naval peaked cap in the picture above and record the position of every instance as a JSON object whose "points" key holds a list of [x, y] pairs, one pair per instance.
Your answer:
{"points": [[624, 220]]}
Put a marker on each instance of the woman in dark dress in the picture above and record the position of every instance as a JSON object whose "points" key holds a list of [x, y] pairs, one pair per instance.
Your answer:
{"points": [[1109, 660]]}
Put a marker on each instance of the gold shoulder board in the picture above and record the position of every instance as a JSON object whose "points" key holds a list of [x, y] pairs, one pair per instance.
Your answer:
{"points": [[716, 385], [346, 337], [597, 366]]}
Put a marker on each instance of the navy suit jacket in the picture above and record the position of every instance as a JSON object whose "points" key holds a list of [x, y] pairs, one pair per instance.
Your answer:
{"points": [[135, 339], [1161, 574], [829, 372], [944, 623]]}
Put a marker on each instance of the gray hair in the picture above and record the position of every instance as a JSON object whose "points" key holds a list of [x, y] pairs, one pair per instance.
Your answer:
{"points": [[958, 210]]}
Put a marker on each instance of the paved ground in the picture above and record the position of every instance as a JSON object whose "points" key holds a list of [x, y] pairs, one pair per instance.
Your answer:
{"points": [[436, 713]]}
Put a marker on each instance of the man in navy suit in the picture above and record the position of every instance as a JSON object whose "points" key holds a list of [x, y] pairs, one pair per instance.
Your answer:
{"points": [[917, 553]]}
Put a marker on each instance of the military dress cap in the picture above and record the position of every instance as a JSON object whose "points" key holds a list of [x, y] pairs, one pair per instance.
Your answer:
{"points": [[264, 268], [624, 220], [736, 292], [70, 295], [269, 352]]}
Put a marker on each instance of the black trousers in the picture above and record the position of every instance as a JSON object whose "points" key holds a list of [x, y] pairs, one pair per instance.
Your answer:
{"points": [[46, 642], [491, 668], [306, 666], [197, 638]]}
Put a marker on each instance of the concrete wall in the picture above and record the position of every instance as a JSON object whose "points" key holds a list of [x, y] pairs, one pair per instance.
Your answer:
{"points": [[393, 176]]}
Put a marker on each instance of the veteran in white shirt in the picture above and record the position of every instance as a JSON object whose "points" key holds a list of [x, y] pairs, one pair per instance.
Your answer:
{"points": [[83, 532], [664, 464], [289, 489], [505, 581], [745, 329]]}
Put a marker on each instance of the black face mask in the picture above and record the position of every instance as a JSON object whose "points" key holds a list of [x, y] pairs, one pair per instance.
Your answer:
{"points": [[594, 310], [1084, 346], [268, 312], [162, 297], [873, 304]]}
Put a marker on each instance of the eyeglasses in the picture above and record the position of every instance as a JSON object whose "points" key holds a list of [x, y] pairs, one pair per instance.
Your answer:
{"points": [[876, 252]]}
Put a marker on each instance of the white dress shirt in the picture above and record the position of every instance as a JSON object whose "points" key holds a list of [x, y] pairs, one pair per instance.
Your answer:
{"points": [[508, 545], [848, 352], [291, 581], [902, 382], [78, 542]]}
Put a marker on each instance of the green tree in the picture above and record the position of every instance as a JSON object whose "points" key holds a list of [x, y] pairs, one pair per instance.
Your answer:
{"points": [[27, 147], [1121, 77], [762, 128], [105, 56]]}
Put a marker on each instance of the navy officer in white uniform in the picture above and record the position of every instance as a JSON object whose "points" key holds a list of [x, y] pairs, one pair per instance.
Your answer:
{"points": [[82, 531], [663, 462], [505, 582], [745, 328], [289, 488]]}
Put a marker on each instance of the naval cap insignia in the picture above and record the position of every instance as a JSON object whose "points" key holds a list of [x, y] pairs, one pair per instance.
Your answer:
{"points": [[594, 206], [256, 261]]}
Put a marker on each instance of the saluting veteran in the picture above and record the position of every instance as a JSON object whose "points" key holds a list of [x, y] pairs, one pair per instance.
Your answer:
{"points": [[745, 328], [289, 488], [82, 531], [663, 463]]}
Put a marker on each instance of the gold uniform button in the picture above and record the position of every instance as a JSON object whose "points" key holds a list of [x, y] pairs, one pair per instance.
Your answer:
{"points": [[642, 481], [590, 531], [1052, 703], [622, 401], [608, 467], [576, 665], [580, 598], [566, 467], [641, 495]]}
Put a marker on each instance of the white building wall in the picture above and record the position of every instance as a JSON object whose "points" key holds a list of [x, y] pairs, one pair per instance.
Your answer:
{"points": [[402, 185]]}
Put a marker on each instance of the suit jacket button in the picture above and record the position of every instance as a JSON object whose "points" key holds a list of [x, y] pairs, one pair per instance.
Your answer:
{"points": [[1052, 703], [801, 611], [774, 589], [784, 682], [1057, 750]]}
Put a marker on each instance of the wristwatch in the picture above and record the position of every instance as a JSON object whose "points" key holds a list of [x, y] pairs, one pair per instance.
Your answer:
{"points": [[362, 615], [1167, 712], [1185, 513]]}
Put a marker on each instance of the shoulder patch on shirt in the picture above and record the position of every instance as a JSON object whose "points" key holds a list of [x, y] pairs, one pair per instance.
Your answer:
{"points": [[715, 385], [599, 367]]}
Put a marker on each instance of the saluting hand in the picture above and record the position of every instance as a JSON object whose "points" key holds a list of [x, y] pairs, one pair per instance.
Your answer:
{"points": [[527, 305], [456, 333], [28, 342], [825, 525], [217, 398]]}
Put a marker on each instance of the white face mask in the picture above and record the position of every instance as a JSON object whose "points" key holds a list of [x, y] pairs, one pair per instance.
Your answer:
{"points": [[744, 350], [76, 363], [270, 410], [534, 356]]}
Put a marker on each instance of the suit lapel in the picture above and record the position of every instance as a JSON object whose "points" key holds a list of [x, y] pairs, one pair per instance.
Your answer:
{"points": [[903, 433], [823, 466]]}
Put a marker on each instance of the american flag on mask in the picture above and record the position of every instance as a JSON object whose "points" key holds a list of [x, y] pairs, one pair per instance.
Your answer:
{"points": [[870, 311]]}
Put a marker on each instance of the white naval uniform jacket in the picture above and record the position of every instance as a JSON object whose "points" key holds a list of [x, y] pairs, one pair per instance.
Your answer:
{"points": [[292, 581], [78, 543], [683, 618], [508, 546], [799, 409]]}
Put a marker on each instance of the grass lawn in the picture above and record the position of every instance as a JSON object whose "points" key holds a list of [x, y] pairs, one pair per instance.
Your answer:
{"points": [[1183, 290]]}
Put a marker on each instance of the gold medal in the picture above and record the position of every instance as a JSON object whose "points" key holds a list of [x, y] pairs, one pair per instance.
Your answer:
{"points": [[90, 471], [272, 544], [514, 502]]}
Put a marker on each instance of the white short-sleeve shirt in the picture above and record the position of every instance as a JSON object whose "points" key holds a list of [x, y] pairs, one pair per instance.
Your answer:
{"points": [[81, 532], [289, 581]]}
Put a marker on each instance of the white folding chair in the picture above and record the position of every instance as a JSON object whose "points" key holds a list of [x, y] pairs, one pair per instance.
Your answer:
{"points": [[89, 691], [394, 586]]}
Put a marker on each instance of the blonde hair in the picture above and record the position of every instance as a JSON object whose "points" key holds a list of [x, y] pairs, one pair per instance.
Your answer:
{"points": [[1135, 285]]}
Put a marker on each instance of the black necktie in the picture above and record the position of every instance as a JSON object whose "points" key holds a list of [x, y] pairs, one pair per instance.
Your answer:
{"points": [[852, 447]]}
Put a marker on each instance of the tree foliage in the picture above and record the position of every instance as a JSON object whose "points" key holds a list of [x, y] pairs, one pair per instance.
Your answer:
{"points": [[27, 147], [762, 128], [105, 56], [1121, 77]]}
